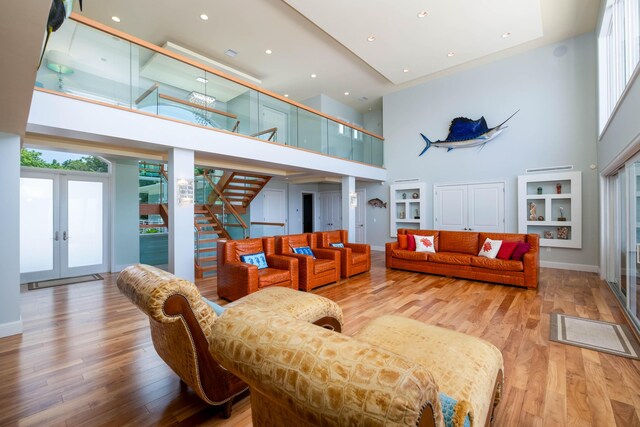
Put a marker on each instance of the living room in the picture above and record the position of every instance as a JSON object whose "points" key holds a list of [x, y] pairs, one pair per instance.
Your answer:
{"points": [[108, 357]]}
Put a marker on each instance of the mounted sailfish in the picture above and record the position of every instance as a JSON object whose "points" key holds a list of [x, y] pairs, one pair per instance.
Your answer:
{"points": [[464, 132]]}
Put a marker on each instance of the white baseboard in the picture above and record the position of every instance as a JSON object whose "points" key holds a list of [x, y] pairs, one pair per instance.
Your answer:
{"points": [[11, 328], [378, 248], [568, 266]]}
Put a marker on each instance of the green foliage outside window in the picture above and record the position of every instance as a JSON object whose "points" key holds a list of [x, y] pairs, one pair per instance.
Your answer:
{"points": [[32, 158]]}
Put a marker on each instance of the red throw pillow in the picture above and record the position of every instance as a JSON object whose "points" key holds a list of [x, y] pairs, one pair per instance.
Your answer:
{"points": [[411, 242], [506, 250], [521, 249], [402, 241]]}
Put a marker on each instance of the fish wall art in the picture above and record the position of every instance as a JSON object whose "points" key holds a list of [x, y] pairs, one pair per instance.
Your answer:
{"points": [[464, 133], [377, 203]]}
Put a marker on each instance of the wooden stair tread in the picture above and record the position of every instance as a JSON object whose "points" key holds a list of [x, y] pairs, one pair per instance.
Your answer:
{"points": [[208, 258]]}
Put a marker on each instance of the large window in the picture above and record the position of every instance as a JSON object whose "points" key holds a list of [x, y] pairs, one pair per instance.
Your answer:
{"points": [[618, 52]]}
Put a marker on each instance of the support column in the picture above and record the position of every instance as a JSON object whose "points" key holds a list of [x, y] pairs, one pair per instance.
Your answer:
{"points": [[348, 212], [10, 319], [181, 240]]}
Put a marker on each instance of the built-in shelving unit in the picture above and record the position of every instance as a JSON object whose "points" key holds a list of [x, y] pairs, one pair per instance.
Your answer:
{"points": [[550, 205], [407, 206]]}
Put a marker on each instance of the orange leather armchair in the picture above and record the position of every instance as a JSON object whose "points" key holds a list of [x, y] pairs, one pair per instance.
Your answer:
{"points": [[324, 269], [355, 258], [237, 279]]}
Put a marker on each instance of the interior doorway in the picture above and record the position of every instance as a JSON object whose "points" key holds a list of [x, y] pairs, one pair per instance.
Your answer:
{"points": [[307, 212]]}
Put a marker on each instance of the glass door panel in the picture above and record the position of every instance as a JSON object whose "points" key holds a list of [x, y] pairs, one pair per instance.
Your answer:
{"points": [[634, 240], [39, 247], [85, 235], [622, 235]]}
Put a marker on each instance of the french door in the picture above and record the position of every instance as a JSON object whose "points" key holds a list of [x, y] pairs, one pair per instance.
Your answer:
{"points": [[63, 225]]}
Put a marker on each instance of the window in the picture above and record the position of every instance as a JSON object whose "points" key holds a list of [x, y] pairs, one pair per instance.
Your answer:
{"points": [[618, 53]]}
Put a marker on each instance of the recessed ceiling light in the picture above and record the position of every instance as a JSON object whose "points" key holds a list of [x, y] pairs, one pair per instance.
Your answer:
{"points": [[506, 35], [406, 70], [450, 54], [204, 17], [202, 80], [346, 93], [371, 38], [231, 53], [422, 14], [268, 52], [313, 76], [286, 95], [115, 19]]}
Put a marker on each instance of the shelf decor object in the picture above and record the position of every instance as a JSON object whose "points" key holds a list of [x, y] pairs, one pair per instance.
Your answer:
{"points": [[559, 204], [407, 212]]}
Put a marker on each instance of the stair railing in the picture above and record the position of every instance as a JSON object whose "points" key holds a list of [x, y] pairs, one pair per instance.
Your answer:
{"points": [[227, 203], [197, 244]]}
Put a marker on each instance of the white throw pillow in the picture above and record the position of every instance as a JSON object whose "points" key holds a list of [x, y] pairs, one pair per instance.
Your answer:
{"points": [[425, 244], [490, 248]]}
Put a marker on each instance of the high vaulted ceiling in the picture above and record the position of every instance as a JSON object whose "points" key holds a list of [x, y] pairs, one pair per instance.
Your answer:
{"points": [[329, 38]]}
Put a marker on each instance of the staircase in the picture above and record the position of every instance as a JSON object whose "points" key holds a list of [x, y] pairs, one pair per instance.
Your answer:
{"points": [[222, 199]]}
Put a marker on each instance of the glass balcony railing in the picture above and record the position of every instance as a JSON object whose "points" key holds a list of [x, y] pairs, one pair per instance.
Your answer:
{"points": [[93, 64]]}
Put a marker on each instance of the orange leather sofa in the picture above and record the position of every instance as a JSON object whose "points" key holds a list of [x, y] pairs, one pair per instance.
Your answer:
{"points": [[355, 258], [324, 269], [237, 279], [456, 256]]}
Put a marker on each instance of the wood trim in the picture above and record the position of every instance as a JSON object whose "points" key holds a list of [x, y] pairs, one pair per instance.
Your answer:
{"points": [[273, 132], [101, 27], [147, 93], [201, 107], [183, 122], [218, 384], [279, 224], [329, 322]]}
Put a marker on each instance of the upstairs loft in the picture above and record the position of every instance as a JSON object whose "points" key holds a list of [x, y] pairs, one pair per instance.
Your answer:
{"points": [[228, 119]]}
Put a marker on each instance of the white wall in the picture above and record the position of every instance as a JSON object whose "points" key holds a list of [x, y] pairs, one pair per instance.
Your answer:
{"points": [[332, 107], [125, 246], [10, 320], [555, 126], [373, 121]]}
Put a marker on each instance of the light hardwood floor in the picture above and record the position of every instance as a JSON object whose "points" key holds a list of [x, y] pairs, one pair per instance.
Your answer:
{"points": [[86, 357]]}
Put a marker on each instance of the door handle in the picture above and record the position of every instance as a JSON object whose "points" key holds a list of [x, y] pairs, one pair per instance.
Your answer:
{"points": [[56, 237], [64, 235]]}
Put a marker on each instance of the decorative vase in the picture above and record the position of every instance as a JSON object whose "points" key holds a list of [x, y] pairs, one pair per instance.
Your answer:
{"points": [[539, 190], [558, 188], [404, 195], [415, 195], [417, 214]]}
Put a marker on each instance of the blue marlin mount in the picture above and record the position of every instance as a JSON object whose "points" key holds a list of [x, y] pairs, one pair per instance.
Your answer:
{"points": [[464, 133]]}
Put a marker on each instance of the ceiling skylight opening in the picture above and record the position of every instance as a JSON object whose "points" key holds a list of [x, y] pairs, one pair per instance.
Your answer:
{"points": [[506, 35], [422, 14], [371, 38], [115, 19], [202, 80], [204, 17]]}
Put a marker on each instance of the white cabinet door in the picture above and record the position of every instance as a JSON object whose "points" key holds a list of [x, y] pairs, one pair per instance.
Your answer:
{"points": [[361, 221], [451, 207], [470, 207], [486, 207], [331, 210]]}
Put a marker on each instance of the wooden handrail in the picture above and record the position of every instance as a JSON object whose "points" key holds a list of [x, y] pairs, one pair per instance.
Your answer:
{"points": [[279, 224], [147, 93], [273, 132], [120, 34], [194, 105], [226, 202]]}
